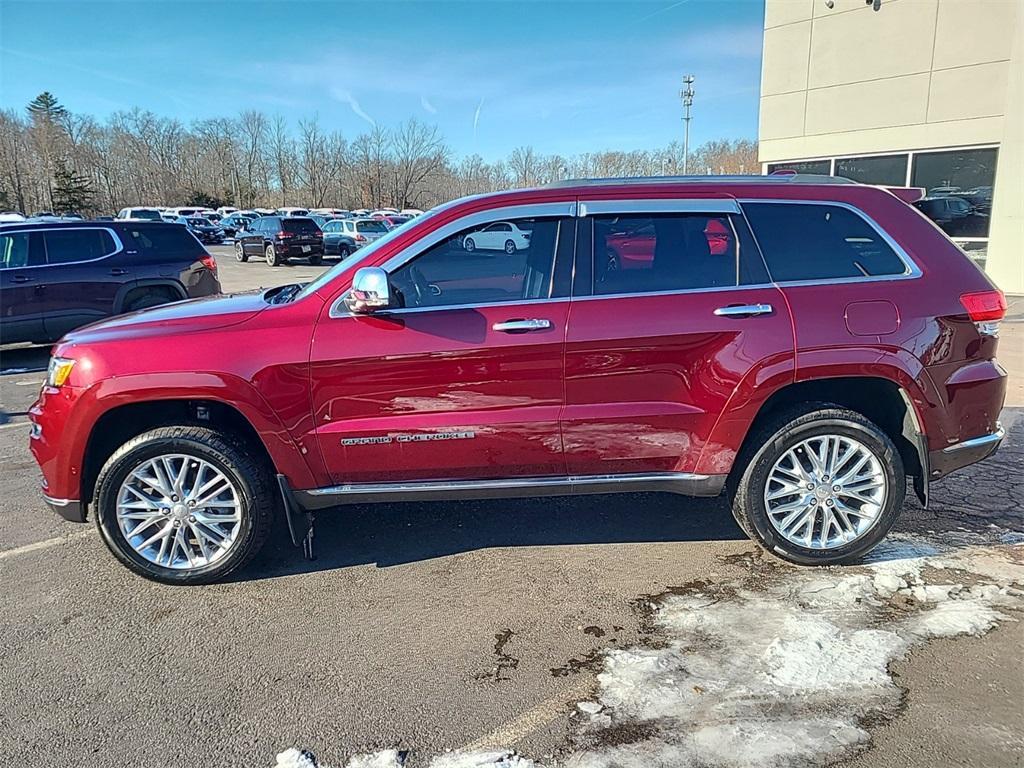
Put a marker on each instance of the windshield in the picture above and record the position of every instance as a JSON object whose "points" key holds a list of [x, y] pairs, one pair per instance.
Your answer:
{"points": [[149, 215], [363, 253]]}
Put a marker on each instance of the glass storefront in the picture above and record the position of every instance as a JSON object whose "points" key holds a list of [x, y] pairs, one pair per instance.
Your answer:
{"points": [[889, 170], [804, 166], [957, 185], [958, 189]]}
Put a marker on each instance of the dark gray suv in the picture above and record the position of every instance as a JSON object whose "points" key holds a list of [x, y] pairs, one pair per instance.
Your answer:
{"points": [[58, 276]]}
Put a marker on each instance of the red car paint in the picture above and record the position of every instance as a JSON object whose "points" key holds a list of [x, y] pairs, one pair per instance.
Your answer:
{"points": [[644, 383]]}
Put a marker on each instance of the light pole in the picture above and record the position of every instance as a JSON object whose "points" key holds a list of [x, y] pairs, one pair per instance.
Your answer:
{"points": [[686, 94]]}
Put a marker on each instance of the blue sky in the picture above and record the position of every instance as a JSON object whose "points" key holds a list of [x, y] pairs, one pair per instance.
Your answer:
{"points": [[565, 77]]}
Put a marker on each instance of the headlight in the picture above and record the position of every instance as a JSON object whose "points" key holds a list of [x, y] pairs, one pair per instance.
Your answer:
{"points": [[59, 370]]}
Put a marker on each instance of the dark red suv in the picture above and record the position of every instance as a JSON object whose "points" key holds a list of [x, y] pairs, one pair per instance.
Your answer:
{"points": [[822, 345]]}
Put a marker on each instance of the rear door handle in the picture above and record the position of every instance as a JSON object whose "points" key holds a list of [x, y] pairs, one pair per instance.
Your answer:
{"points": [[22, 278], [521, 326], [118, 271], [744, 310]]}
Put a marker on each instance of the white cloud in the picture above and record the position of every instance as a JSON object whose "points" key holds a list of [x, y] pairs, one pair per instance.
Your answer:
{"points": [[425, 103], [347, 98]]}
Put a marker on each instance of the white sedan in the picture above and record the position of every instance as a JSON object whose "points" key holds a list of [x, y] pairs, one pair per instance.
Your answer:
{"points": [[500, 236]]}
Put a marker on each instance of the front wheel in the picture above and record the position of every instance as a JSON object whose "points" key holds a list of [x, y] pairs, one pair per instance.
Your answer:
{"points": [[271, 256], [184, 505], [240, 254], [822, 486], [469, 245]]}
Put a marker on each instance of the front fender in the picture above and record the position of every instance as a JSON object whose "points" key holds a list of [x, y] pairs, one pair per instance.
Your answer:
{"points": [[232, 391]]}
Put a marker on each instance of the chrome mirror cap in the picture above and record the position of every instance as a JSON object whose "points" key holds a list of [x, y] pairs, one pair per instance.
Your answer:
{"points": [[370, 291]]}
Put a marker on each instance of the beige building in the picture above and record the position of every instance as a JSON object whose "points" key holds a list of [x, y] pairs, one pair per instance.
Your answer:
{"points": [[921, 93]]}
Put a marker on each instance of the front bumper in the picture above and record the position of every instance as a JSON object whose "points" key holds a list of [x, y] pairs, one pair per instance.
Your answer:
{"points": [[960, 455]]}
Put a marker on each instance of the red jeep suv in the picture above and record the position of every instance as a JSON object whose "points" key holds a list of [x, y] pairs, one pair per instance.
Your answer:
{"points": [[803, 344]]}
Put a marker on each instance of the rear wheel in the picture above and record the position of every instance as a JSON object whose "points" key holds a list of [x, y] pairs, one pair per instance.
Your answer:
{"points": [[315, 258], [271, 256], [240, 254], [822, 486], [184, 505], [344, 252], [469, 244], [510, 247]]}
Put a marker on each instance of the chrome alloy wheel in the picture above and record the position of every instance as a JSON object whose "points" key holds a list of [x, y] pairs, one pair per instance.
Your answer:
{"points": [[179, 511], [825, 492]]}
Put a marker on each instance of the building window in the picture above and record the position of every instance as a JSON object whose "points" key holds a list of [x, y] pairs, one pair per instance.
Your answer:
{"points": [[803, 166], [958, 189], [888, 170]]}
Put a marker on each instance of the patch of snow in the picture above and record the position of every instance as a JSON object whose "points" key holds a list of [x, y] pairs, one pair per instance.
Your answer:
{"points": [[784, 674]]}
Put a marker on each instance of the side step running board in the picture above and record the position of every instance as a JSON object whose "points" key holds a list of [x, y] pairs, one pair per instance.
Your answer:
{"points": [[359, 493]]}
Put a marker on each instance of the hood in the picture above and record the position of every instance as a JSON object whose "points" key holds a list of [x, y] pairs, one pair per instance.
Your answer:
{"points": [[181, 317]]}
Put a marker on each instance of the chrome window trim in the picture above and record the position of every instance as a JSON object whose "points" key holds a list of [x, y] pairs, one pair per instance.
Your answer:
{"points": [[658, 205], [565, 210], [676, 292], [911, 270], [117, 241]]}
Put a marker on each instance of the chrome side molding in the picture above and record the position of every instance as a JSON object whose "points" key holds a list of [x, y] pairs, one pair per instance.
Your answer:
{"points": [[683, 483]]}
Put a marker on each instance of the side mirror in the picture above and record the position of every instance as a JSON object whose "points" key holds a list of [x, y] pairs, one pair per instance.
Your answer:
{"points": [[370, 291]]}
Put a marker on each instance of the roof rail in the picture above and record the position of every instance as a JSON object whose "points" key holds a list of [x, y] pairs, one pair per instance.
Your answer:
{"points": [[793, 178]]}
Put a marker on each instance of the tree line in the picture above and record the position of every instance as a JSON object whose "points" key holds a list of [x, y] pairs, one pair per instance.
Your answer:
{"points": [[52, 159]]}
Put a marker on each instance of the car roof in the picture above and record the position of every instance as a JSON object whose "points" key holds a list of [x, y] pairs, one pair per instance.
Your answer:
{"points": [[115, 223]]}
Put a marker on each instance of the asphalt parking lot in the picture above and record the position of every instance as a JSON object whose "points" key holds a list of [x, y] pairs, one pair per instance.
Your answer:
{"points": [[433, 627]]}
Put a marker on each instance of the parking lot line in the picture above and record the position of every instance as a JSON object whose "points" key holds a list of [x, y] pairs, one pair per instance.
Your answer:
{"points": [[44, 544], [15, 424], [507, 735]]}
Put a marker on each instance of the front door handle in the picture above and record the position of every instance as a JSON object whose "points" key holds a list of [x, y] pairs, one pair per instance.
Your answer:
{"points": [[744, 310], [22, 279], [521, 326], [118, 271]]}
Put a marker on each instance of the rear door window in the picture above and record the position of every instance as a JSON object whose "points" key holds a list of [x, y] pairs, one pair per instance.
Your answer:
{"points": [[66, 246], [653, 253], [809, 241]]}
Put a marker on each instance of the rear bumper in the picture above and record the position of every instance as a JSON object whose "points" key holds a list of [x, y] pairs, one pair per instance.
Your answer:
{"points": [[960, 455], [71, 510]]}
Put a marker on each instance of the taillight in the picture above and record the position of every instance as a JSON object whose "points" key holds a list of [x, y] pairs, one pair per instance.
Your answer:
{"points": [[360, 238], [319, 235], [986, 309], [209, 262], [283, 235]]}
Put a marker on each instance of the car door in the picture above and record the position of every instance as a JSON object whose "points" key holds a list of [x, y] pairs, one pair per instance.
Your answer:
{"points": [[22, 281], [84, 276], [452, 382], [655, 352], [253, 243]]}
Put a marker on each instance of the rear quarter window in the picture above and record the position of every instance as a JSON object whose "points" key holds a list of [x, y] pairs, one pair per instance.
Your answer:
{"points": [[66, 246], [164, 241], [807, 241]]}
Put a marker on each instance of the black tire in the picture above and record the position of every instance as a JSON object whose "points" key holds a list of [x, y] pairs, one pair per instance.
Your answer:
{"points": [[510, 247], [343, 252], [270, 254], [788, 429], [469, 245], [315, 259], [240, 254], [153, 298], [258, 499]]}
